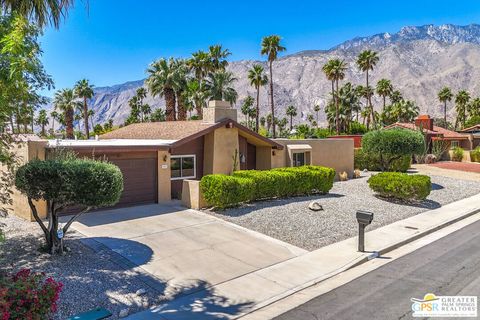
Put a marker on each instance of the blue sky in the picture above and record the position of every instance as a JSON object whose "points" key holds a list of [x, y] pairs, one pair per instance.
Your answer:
{"points": [[114, 41]]}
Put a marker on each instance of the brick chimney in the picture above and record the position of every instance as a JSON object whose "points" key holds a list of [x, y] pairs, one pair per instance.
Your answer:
{"points": [[424, 121], [219, 110]]}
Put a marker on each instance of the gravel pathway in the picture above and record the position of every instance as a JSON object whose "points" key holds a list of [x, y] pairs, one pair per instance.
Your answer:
{"points": [[291, 221], [90, 279]]}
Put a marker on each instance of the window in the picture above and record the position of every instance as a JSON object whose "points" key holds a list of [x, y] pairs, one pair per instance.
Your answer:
{"points": [[182, 167], [453, 144], [298, 159]]}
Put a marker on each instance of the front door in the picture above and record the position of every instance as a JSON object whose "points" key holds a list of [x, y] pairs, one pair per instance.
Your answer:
{"points": [[251, 157]]}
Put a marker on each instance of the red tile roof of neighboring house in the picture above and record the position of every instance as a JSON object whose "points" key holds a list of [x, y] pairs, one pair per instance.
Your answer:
{"points": [[472, 128], [437, 131]]}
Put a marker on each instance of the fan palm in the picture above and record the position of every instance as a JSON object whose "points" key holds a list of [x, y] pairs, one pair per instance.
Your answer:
{"points": [[405, 111], [247, 109], [65, 101], [367, 93], [257, 79], [196, 95], [161, 82], [84, 90], [445, 95], [54, 115], [199, 64], [217, 57], [366, 61], [271, 47], [396, 96], [461, 101], [316, 108], [384, 89], [291, 112], [218, 86], [179, 85], [334, 69], [474, 108], [42, 120], [41, 12]]}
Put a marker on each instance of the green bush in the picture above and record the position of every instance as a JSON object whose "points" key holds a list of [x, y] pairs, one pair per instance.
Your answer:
{"points": [[390, 145], [371, 162], [457, 154], [401, 185], [223, 191], [475, 155]]}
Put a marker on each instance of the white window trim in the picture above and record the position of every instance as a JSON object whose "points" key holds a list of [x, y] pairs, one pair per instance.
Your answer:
{"points": [[180, 156]]}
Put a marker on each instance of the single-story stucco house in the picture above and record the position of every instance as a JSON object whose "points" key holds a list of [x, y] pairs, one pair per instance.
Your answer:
{"points": [[165, 160]]}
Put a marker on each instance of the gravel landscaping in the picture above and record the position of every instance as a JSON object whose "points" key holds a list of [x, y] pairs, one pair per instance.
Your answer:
{"points": [[291, 221], [90, 278]]}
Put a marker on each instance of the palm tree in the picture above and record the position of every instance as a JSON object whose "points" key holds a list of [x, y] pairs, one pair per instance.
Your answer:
{"points": [[291, 112], [91, 113], [445, 95], [257, 79], [41, 12], [64, 100], [179, 85], [384, 89], [366, 61], [218, 57], [271, 47], [161, 81], [196, 95], [334, 70], [369, 115], [77, 117], [396, 96], [461, 101], [316, 108], [54, 115], [42, 120], [247, 109], [199, 64], [218, 86], [83, 89], [474, 107], [405, 111]]}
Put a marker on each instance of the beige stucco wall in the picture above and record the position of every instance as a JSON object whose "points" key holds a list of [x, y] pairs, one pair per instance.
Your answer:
{"points": [[333, 153], [191, 195], [219, 148], [164, 174], [219, 110], [27, 151]]}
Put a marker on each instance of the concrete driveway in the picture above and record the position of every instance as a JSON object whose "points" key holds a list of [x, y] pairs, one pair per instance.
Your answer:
{"points": [[181, 246]]}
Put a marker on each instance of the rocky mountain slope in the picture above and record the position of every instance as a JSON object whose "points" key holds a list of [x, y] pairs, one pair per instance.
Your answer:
{"points": [[418, 60]]}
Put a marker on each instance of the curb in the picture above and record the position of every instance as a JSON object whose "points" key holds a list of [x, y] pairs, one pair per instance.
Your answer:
{"points": [[358, 262]]}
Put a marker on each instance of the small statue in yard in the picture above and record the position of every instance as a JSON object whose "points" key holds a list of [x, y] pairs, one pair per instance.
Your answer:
{"points": [[343, 176], [357, 173], [430, 158], [315, 206]]}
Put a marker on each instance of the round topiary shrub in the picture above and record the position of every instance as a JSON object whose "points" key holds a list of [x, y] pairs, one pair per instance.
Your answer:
{"points": [[401, 185], [390, 145]]}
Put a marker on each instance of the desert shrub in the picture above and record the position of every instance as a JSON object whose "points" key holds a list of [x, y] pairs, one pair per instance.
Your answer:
{"points": [[401, 185], [247, 185], [439, 147], [357, 128], [28, 295], [457, 154], [475, 154], [63, 183], [223, 191], [392, 144], [371, 162]]}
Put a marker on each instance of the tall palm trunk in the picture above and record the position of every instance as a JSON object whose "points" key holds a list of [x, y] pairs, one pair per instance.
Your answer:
{"points": [[85, 117], [198, 107], [170, 104], [274, 133], [384, 102], [182, 113], [369, 98], [291, 122], [43, 129], [337, 119], [445, 113], [257, 116], [69, 123]]}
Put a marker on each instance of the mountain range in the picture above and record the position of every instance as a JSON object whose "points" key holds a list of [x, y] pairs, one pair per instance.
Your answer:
{"points": [[418, 60]]}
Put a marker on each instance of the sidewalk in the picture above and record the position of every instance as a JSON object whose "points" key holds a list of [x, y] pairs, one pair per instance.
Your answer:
{"points": [[255, 290]]}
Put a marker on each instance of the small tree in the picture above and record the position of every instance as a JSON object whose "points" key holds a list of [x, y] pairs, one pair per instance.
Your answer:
{"points": [[392, 144], [64, 183]]}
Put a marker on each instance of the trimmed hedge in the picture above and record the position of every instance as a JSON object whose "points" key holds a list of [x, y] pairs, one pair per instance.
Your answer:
{"points": [[401, 185], [224, 191], [371, 162]]}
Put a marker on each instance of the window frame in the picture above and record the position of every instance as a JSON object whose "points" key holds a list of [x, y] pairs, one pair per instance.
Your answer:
{"points": [[304, 158], [456, 142], [180, 156]]}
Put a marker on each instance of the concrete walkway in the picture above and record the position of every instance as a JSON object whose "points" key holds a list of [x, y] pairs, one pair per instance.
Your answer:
{"points": [[449, 172], [183, 249], [234, 298]]}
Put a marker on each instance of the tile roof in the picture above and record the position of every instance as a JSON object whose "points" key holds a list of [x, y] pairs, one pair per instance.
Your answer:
{"points": [[472, 128], [448, 134], [167, 130]]}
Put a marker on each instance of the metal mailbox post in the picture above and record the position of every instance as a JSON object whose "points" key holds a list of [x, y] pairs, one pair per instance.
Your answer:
{"points": [[364, 218]]}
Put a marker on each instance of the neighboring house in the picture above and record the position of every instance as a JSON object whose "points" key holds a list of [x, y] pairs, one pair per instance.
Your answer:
{"points": [[425, 123], [474, 131], [159, 160]]}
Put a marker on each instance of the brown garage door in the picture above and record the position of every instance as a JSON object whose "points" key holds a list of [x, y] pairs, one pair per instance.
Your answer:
{"points": [[139, 181]]}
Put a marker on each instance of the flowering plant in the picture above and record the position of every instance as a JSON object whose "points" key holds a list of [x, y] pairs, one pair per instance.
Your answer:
{"points": [[28, 295]]}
